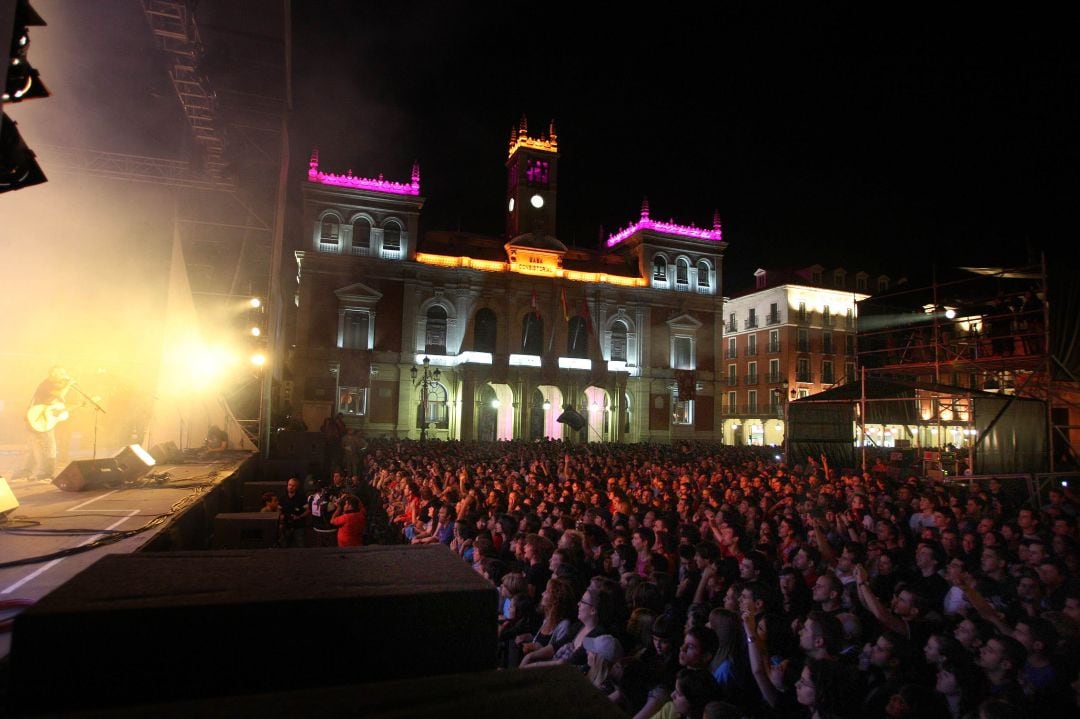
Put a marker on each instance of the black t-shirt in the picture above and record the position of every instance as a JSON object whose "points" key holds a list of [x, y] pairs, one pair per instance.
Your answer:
{"points": [[292, 509]]}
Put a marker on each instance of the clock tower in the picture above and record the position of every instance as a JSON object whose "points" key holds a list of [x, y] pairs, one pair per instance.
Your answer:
{"points": [[531, 179]]}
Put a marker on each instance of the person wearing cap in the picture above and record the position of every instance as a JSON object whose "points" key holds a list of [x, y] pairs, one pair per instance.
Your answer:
{"points": [[602, 654]]}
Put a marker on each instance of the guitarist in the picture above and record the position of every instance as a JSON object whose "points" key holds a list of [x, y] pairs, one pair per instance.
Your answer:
{"points": [[50, 394]]}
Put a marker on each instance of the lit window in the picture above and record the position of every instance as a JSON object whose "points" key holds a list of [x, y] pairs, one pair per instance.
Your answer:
{"points": [[435, 331], [682, 350], [703, 272], [361, 235], [330, 231], [352, 401], [434, 413], [618, 342], [659, 269], [356, 330], [392, 238], [682, 271]]}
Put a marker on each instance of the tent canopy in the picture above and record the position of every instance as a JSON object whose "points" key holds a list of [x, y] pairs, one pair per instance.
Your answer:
{"points": [[1011, 431]]}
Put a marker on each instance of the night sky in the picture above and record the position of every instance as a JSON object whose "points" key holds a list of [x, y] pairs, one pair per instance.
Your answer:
{"points": [[834, 132]]}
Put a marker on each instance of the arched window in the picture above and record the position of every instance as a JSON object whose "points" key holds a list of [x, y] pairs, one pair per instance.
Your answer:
{"points": [[392, 237], [618, 342], [433, 409], [682, 271], [532, 334], [330, 231], [484, 331], [361, 235], [435, 333], [659, 268], [577, 338], [703, 271]]}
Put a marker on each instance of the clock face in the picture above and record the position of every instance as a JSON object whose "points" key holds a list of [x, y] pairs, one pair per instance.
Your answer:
{"points": [[510, 207], [536, 201]]}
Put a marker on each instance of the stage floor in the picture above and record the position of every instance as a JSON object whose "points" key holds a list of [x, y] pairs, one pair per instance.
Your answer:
{"points": [[51, 525]]}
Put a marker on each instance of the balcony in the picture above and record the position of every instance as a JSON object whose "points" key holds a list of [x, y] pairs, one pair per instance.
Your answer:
{"points": [[751, 380], [731, 354], [750, 323], [828, 321], [732, 381], [731, 327], [774, 347], [803, 377], [773, 318], [774, 378], [751, 351]]}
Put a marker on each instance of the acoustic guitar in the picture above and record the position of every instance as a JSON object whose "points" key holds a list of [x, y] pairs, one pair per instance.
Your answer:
{"points": [[43, 417]]}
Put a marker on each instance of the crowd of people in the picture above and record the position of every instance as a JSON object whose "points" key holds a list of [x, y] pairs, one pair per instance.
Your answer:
{"points": [[706, 580]]}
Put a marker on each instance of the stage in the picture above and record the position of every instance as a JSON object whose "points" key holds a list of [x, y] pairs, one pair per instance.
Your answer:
{"points": [[68, 531]]}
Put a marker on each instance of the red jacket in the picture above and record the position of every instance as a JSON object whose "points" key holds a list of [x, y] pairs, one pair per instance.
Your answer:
{"points": [[351, 527]]}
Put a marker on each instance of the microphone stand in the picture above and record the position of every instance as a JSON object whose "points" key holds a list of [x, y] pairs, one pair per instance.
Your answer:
{"points": [[97, 408]]}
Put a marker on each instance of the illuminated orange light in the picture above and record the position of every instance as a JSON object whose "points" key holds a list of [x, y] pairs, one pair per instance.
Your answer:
{"points": [[544, 145], [494, 266]]}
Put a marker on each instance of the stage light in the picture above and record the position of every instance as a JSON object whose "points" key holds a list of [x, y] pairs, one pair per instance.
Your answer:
{"points": [[18, 167], [256, 332], [950, 314], [258, 359], [256, 303]]}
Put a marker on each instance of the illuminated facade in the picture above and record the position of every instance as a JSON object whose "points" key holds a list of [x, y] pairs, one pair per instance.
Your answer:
{"points": [[522, 328], [791, 337]]}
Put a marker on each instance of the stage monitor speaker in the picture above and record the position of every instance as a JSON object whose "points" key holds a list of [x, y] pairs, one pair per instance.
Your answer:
{"points": [[83, 474], [134, 461], [167, 453], [8, 503], [572, 418]]}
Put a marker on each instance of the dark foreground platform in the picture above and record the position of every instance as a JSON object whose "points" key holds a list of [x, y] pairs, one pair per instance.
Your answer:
{"points": [[519, 693], [171, 626]]}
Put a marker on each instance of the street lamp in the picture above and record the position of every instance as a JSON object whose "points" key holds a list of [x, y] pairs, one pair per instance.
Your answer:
{"points": [[426, 381]]}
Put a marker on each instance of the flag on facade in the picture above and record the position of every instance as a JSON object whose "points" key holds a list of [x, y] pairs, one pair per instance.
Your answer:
{"points": [[535, 306], [584, 314], [686, 382], [565, 309]]}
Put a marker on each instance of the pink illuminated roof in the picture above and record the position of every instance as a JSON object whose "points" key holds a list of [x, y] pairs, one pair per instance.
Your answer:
{"points": [[645, 223], [363, 183]]}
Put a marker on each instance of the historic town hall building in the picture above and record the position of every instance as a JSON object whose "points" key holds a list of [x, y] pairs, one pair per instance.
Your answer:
{"points": [[462, 336]]}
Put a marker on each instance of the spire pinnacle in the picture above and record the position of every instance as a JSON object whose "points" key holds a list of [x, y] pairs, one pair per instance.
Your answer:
{"points": [[716, 220], [313, 163], [644, 208]]}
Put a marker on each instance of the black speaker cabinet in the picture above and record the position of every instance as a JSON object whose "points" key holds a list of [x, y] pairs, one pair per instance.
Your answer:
{"points": [[169, 626], [167, 453], [84, 474], [245, 530], [251, 498], [298, 445]]}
